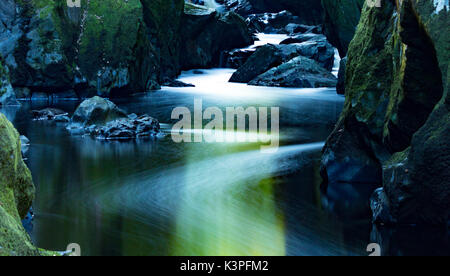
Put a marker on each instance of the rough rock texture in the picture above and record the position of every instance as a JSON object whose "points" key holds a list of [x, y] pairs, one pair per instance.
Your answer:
{"points": [[16, 194], [417, 181], [275, 23], [97, 111], [93, 49], [102, 119], [340, 87], [207, 34], [50, 114], [109, 47], [341, 18], [7, 95], [300, 38], [310, 11], [127, 128], [270, 56], [236, 58], [394, 79], [163, 27], [300, 72]]}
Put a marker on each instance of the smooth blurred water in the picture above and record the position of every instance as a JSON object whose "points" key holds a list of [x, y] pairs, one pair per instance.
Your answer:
{"points": [[156, 197]]}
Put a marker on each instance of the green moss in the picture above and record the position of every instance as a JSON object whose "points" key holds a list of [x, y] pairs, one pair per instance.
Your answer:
{"points": [[16, 193], [109, 35]]}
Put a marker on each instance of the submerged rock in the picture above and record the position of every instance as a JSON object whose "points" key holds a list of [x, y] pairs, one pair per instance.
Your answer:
{"points": [[50, 114], [300, 72]]}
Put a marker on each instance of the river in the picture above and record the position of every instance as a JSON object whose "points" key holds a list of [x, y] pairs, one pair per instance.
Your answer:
{"points": [[157, 197]]}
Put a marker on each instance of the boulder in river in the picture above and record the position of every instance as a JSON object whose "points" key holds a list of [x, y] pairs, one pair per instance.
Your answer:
{"points": [[300, 72], [127, 128], [97, 111], [102, 119], [270, 56]]}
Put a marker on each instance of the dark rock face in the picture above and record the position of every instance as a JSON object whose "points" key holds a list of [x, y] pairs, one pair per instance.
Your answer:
{"points": [[300, 72], [300, 38], [270, 56], [110, 48], [236, 58], [163, 23], [340, 87], [265, 58], [405, 240], [394, 80], [97, 111], [309, 11], [417, 181], [7, 95], [207, 34], [103, 47], [341, 18]]}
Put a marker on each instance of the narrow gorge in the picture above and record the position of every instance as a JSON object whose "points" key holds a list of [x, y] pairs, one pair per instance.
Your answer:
{"points": [[224, 128]]}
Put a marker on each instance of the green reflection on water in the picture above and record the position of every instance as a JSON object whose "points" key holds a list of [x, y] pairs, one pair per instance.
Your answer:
{"points": [[233, 214], [244, 222]]}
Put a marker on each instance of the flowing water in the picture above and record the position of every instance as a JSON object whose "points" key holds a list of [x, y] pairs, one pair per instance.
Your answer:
{"points": [[157, 197]]}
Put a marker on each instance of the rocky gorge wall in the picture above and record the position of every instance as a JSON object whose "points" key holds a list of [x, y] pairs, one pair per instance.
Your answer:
{"points": [[107, 48], [393, 131], [16, 194]]}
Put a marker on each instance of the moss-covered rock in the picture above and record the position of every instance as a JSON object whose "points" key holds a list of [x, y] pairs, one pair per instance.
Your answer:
{"points": [[417, 181], [105, 47], [393, 81], [16, 193], [110, 47]]}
